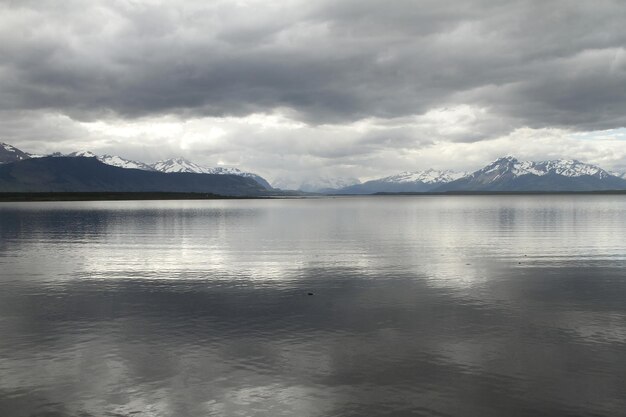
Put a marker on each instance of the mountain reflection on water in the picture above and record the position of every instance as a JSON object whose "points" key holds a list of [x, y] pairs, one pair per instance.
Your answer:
{"points": [[459, 306]]}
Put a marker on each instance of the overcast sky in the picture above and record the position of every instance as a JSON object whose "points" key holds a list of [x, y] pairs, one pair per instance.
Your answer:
{"points": [[298, 88]]}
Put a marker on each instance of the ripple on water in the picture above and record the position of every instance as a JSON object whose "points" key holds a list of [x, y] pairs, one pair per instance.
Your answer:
{"points": [[451, 306]]}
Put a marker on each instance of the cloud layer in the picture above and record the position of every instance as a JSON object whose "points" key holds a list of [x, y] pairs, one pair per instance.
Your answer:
{"points": [[363, 77]]}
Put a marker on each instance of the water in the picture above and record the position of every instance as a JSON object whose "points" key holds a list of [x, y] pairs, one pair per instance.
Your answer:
{"points": [[434, 306]]}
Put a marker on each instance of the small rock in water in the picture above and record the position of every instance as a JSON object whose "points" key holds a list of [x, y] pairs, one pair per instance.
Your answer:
{"points": [[310, 293]]}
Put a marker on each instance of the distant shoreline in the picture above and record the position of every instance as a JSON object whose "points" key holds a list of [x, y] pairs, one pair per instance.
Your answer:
{"points": [[601, 192], [139, 196], [110, 196]]}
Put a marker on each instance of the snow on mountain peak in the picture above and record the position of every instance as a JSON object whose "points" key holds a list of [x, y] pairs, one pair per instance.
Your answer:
{"points": [[83, 154], [226, 171], [513, 167], [8, 148], [573, 168], [179, 165], [118, 161], [429, 176], [113, 160], [9, 153], [506, 159]]}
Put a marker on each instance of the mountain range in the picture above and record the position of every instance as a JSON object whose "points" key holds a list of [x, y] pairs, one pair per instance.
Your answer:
{"points": [[506, 174], [319, 184], [21, 171], [417, 181], [9, 153], [79, 174], [510, 174], [113, 160], [183, 165], [180, 165]]}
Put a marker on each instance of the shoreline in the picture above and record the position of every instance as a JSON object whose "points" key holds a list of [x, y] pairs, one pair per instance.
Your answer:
{"points": [[139, 196], [115, 196]]}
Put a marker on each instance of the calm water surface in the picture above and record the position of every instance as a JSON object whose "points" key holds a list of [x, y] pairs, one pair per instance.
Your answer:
{"points": [[433, 306]]}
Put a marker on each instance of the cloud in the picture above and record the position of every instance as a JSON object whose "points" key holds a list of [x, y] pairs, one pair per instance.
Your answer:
{"points": [[329, 62], [363, 80]]}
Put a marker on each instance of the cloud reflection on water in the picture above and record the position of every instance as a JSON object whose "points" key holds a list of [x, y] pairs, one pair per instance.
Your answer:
{"points": [[421, 307]]}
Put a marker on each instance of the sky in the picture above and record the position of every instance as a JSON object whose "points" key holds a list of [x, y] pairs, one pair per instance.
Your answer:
{"points": [[298, 89]]}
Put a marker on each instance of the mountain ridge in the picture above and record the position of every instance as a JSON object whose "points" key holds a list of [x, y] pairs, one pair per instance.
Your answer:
{"points": [[113, 160], [79, 174], [9, 153], [502, 175], [510, 174], [407, 181], [181, 164]]}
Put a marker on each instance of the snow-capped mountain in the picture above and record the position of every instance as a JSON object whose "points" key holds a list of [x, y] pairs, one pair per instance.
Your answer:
{"points": [[184, 165], [317, 184], [9, 153], [511, 166], [511, 174], [237, 171], [408, 181], [430, 176], [118, 161], [504, 174], [113, 160], [325, 184], [570, 168], [75, 174], [179, 165]]}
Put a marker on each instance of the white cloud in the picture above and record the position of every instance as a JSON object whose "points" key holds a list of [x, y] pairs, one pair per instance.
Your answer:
{"points": [[357, 88], [278, 147]]}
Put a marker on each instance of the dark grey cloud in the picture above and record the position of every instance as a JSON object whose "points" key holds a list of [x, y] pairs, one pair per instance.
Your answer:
{"points": [[533, 63]]}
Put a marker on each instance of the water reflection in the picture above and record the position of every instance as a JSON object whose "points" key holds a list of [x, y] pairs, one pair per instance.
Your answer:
{"points": [[422, 306]]}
